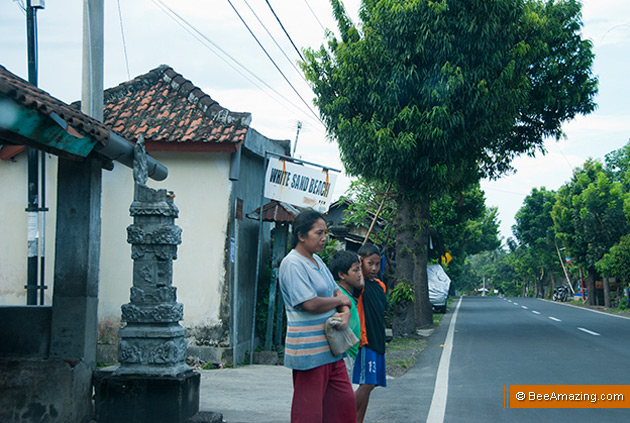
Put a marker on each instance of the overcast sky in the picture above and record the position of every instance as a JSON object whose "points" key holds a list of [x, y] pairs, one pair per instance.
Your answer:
{"points": [[154, 36]]}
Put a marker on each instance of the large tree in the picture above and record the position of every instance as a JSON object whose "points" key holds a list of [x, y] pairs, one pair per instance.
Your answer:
{"points": [[432, 95], [460, 225], [534, 231], [589, 217]]}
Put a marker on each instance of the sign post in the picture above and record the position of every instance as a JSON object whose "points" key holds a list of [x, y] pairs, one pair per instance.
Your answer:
{"points": [[287, 179]]}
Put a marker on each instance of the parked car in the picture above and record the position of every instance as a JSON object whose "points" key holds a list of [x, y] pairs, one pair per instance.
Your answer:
{"points": [[439, 284]]}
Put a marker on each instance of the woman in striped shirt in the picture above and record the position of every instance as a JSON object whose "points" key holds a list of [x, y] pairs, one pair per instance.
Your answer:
{"points": [[321, 389]]}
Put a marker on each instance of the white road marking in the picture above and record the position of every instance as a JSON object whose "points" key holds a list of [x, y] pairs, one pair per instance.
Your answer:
{"points": [[590, 332], [586, 309], [525, 307], [515, 303], [535, 312], [440, 391], [555, 319]]}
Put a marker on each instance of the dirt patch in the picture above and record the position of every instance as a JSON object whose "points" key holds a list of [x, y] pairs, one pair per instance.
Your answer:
{"points": [[402, 354]]}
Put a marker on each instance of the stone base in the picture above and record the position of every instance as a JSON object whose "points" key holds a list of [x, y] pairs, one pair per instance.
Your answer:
{"points": [[44, 390], [206, 417], [145, 399], [107, 353]]}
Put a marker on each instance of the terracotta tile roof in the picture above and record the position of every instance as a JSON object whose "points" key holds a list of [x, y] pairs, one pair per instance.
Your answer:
{"points": [[31, 97], [173, 114]]}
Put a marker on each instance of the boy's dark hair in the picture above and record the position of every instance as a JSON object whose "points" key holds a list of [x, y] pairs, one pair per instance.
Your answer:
{"points": [[341, 262], [368, 249], [303, 223]]}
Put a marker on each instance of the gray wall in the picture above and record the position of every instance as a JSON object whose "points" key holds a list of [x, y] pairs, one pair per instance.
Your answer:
{"points": [[249, 189], [25, 331]]}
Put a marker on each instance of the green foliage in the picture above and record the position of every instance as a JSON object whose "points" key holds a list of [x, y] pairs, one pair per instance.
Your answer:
{"points": [[365, 198], [328, 251], [463, 222], [536, 254], [428, 96], [262, 302], [402, 294], [616, 262], [465, 225], [498, 267], [589, 214]]}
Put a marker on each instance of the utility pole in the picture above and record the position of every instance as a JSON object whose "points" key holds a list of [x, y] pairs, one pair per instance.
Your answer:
{"points": [[299, 126], [92, 79], [33, 207]]}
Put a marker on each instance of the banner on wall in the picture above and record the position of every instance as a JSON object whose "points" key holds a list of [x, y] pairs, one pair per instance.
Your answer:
{"points": [[300, 185]]}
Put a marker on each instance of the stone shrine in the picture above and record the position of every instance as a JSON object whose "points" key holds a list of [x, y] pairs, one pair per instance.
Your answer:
{"points": [[153, 383]]}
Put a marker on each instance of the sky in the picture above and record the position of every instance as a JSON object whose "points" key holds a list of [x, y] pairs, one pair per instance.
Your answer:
{"points": [[207, 43]]}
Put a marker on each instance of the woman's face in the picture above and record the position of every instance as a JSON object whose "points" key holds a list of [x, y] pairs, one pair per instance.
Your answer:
{"points": [[315, 240]]}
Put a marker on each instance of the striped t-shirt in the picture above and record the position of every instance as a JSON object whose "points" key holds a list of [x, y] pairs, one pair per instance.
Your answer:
{"points": [[301, 280]]}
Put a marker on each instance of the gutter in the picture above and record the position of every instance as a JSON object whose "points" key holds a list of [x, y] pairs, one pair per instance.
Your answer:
{"points": [[121, 150]]}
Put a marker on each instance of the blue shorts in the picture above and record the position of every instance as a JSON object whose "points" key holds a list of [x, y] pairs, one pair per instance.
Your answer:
{"points": [[369, 368]]}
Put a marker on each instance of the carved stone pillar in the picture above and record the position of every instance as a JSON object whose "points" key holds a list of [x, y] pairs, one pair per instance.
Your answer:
{"points": [[153, 383], [152, 342]]}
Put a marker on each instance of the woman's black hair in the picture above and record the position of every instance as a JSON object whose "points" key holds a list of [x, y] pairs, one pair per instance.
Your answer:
{"points": [[341, 262], [368, 249], [302, 224]]}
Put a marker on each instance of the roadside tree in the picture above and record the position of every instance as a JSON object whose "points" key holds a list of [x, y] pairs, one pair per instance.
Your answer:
{"points": [[589, 218], [430, 96], [534, 231]]}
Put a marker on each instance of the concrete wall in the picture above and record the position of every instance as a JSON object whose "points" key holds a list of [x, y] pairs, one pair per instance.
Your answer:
{"points": [[202, 273], [202, 189], [30, 390], [25, 331], [249, 189], [13, 228]]}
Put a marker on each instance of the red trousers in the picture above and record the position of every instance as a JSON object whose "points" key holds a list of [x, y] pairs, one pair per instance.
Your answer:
{"points": [[323, 395]]}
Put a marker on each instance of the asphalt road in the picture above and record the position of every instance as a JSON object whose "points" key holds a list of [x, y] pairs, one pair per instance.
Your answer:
{"points": [[497, 342]]}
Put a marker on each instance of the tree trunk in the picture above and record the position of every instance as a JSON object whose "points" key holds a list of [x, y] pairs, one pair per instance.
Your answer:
{"points": [[403, 321], [591, 287], [553, 284], [423, 310], [607, 293]]}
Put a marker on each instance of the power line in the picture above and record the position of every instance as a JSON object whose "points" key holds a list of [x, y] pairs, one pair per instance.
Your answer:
{"points": [[20, 5], [122, 33], [316, 18], [210, 45], [274, 40], [271, 59], [285, 31]]}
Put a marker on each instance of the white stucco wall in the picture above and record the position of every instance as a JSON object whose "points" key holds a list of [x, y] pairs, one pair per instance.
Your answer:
{"points": [[13, 228], [202, 191]]}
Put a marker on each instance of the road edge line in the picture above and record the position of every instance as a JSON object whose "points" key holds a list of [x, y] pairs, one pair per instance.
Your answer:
{"points": [[585, 308], [440, 390]]}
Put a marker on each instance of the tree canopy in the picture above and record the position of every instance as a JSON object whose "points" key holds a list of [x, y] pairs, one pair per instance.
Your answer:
{"points": [[432, 95]]}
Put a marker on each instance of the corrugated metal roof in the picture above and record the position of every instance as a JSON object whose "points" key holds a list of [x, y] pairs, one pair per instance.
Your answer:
{"points": [[276, 211]]}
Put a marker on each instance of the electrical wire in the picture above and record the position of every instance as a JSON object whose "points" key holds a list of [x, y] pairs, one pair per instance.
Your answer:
{"points": [[276, 42], [285, 31], [122, 33], [313, 12], [20, 5], [210, 45], [272, 61]]}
